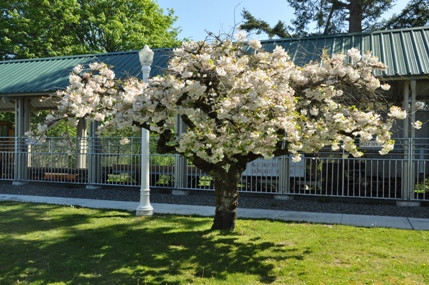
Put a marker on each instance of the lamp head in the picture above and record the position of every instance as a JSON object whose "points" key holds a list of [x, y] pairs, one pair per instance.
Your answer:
{"points": [[146, 56]]}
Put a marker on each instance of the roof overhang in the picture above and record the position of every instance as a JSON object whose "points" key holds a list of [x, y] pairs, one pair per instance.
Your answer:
{"points": [[404, 51], [38, 102]]}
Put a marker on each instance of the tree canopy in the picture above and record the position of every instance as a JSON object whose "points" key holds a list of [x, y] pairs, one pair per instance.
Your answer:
{"points": [[44, 28], [415, 14], [316, 17], [239, 103]]}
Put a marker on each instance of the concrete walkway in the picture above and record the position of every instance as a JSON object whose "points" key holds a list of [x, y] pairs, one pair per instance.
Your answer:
{"points": [[320, 218]]}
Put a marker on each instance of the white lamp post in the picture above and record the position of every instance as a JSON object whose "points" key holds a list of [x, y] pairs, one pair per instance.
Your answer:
{"points": [[145, 208]]}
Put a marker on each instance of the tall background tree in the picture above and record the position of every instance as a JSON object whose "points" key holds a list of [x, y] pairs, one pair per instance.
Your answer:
{"points": [[415, 14], [44, 28], [317, 17]]}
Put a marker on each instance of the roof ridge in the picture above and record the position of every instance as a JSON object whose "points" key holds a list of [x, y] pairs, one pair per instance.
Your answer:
{"points": [[95, 55], [344, 34], [89, 55]]}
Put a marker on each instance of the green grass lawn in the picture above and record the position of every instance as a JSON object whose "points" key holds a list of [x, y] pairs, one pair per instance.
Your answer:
{"points": [[48, 244]]}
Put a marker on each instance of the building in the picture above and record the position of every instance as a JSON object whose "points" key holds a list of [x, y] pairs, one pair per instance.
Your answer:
{"points": [[25, 87]]}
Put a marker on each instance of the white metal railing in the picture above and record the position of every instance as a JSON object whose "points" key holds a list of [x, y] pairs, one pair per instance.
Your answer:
{"points": [[402, 174], [7, 147]]}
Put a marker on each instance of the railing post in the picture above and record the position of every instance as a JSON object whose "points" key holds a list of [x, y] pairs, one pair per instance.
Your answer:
{"points": [[407, 171], [181, 165], [94, 164], [180, 173], [343, 173], [91, 170], [411, 168], [284, 181], [20, 173]]}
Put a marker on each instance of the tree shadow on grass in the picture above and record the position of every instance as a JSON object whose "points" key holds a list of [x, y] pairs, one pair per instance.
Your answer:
{"points": [[113, 247], [19, 218]]}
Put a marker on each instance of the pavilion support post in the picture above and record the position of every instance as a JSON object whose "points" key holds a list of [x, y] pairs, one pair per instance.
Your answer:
{"points": [[22, 125], [408, 194], [405, 133], [94, 163], [408, 169]]}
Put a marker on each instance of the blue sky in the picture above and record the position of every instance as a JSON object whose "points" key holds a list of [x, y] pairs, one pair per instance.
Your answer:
{"points": [[196, 16]]}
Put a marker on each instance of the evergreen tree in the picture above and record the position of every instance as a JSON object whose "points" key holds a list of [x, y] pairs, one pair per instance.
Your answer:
{"points": [[340, 16], [415, 14], [261, 26]]}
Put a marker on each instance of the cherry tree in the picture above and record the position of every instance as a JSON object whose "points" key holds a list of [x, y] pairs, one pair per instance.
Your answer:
{"points": [[239, 103]]}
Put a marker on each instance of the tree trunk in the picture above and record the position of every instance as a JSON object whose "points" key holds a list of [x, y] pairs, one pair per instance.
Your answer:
{"points": [[355, 18], [227, 175], [226, 190]]}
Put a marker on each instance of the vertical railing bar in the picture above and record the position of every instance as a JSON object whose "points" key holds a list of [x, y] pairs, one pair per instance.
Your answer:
{"points": [[389, 172], [411, 169], [343, 174]]}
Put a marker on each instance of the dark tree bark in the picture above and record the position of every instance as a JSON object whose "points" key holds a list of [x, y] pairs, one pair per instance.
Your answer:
{"points": [[355, 18], [226, 192], [227, 175]]}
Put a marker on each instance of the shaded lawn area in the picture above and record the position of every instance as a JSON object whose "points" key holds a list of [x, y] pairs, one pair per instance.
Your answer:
{"points": [[50, 244]]}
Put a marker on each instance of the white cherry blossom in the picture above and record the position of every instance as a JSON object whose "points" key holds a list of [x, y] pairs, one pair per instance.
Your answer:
{"points": [[237, 105]]}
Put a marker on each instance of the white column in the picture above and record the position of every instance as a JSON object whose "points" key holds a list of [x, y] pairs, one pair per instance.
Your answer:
{"points": [[81, 144], [145, 208]]}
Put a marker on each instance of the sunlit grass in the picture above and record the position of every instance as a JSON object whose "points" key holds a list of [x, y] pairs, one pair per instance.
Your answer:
{"points": [[46, 244]]}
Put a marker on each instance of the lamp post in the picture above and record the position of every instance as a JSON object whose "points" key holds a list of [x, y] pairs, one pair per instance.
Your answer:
{"points": [[145, 208]]}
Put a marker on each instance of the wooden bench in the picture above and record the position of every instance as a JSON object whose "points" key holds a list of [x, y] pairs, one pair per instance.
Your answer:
{"points": [[53, 176]]}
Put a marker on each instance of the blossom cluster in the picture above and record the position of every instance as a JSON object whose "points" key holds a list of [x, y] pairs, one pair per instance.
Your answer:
{"points": [[236, 99]]}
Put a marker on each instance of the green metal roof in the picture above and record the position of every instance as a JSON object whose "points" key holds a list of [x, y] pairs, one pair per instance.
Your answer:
{"points": [[46, 75], [405, 51]]}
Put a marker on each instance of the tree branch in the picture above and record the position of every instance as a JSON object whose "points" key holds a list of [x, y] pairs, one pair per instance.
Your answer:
{"points": [[163, 145]]}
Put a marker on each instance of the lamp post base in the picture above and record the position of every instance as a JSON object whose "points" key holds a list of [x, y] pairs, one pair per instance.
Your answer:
{"points": [[144, 211], [145, 208]]}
